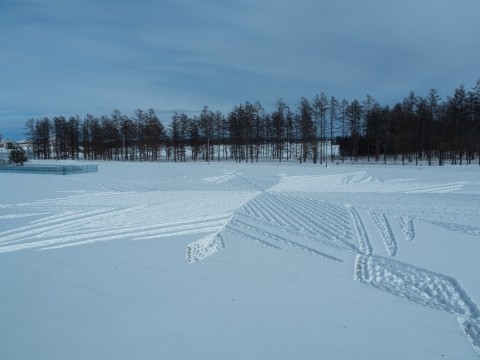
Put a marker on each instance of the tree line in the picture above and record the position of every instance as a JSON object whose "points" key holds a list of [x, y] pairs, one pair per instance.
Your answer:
{"points": [[418, 128]]}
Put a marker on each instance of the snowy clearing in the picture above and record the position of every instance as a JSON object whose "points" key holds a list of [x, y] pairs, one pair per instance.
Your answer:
{"points": [[241, 261]]}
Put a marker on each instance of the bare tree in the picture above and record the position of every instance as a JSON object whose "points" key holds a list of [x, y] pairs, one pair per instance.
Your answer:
{"points": [[354, 115], [279, 128], [306, 128], [320, 107], [333, 116], [31, 135], [206, 127]]}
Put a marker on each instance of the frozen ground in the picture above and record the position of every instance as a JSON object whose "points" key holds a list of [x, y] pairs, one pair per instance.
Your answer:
{"points": [[241, 261]]}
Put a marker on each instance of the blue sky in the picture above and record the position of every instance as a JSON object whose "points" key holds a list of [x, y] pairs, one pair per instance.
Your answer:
{"points": [[68, 57]]}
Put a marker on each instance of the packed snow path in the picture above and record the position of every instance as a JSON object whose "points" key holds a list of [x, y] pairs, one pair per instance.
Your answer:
{"points": [[424, 287], [272, 220], [324, 216]]}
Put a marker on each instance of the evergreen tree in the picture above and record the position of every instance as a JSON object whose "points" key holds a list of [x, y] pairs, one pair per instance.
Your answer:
{"points": [[17, 156]]}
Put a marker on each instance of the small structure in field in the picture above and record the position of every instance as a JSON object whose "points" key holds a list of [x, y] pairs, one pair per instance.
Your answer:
{"points": [[51, 169]]}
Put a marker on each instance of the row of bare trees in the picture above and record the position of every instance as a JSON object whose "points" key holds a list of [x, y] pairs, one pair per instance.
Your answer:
{"points": [[114, 137], [415, 129]]}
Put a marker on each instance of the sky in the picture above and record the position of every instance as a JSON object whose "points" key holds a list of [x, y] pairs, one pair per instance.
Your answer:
{"points": [[78, 57]]}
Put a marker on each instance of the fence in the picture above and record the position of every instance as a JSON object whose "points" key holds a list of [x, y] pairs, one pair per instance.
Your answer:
{"points": [[49, 169]]}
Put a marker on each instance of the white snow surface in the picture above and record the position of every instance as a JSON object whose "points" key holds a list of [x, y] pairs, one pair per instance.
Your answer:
{"points": [[241, 261]]}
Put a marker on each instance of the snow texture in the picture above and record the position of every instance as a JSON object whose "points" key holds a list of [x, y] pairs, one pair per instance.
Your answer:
{"points": [[91, 264]]}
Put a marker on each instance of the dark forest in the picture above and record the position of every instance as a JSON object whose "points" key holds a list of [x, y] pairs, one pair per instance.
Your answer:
{"points": [[424, 129]]}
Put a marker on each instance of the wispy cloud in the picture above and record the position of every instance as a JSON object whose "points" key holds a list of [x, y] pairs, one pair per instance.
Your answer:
{"points": [[69, 56]]}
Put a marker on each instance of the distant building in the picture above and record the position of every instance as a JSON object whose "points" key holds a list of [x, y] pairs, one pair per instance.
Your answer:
{"points": [[4, 153]]}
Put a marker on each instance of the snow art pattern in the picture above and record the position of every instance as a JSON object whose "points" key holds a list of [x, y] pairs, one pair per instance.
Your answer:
{"points": [[266, 211]]}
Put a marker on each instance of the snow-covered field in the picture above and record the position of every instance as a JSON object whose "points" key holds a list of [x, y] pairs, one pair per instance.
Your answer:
{"points": [[241, 261]]}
